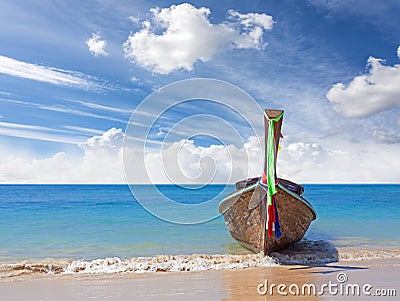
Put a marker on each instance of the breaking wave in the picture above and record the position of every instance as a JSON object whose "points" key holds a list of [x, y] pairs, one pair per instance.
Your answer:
{"points": [[163, 263], [160, 263], [354, 254], [305, 252]]}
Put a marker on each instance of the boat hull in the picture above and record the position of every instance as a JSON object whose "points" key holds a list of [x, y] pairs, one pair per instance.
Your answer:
{"points": [[244, 214]]}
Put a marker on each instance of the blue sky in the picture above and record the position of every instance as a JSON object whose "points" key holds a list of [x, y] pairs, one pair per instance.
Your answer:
{"points": [[71, 73]]}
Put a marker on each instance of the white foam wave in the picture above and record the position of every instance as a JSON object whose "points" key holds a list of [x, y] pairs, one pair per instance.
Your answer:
{"points": [[305, 252], [169, 263], [354, 254], [319, 251], [43, 266]]}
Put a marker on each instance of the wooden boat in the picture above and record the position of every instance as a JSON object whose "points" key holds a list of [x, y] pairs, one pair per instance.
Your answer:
{"points": [[247, 210]]}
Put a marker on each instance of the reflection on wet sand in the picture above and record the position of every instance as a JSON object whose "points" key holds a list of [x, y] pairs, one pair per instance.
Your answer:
{"points": [[244, 285]]}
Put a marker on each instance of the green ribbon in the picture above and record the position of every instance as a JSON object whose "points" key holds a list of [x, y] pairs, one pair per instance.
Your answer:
{"points": [[271, 157]]}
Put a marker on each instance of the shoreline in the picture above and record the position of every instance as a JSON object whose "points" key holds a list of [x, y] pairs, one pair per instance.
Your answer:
{"points": [[307, 253]]}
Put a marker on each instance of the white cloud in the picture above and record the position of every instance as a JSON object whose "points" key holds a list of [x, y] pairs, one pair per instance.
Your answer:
{"points": [[97, 45], [185, 162], [367, 94], [25, 126], [254, 25], [78, 112], [109, 142], [83, 130], [50, 170], [101, 163], [102, 107], [188, 36], [46, 74], [134, 19], [398, 52], [343, 162], [37, 133], [298, 160], [385, 137]]}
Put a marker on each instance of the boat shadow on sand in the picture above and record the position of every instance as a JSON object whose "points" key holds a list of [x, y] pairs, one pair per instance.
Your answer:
{"points": [[305, 252], [309, 254]]}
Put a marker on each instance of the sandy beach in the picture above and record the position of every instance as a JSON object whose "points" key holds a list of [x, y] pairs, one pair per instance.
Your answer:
{"points": [[244, 284], [199, 150]]}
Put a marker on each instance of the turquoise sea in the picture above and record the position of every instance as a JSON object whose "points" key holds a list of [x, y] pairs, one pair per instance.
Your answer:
{"points": [[98, 221]]}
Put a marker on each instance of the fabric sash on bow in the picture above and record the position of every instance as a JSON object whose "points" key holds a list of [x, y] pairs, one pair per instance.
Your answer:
{"points": [[268, 181]]}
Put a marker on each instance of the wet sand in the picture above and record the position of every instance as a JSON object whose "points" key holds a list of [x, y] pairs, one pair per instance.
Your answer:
{"points": [[206, 285]]}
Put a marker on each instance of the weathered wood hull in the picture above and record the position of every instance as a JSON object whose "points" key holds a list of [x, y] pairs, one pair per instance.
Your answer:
{"points": [[245, 218]]}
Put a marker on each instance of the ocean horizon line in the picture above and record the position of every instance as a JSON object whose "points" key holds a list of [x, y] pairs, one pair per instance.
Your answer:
{"points": [[188, 184]]}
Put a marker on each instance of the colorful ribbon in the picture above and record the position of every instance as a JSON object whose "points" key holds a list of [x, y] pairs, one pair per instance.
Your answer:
{"points": [[269, 179]]}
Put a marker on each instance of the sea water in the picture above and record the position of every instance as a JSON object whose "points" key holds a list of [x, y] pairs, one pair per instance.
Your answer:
{"points": [[356, 215], [87, 222]]}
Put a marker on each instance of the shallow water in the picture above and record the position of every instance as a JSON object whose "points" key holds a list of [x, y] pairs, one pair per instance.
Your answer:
{"points": [[102, 221]]}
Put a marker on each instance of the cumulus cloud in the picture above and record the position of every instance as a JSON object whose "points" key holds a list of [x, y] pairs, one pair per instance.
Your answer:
{"points": [[178, 36], [49, 170], [343, 162], [101, 163], [376, 91], [108, 143], [253, 25], [298, 159], [185, 162], [46, 74], [398, 52], [96, 45]]}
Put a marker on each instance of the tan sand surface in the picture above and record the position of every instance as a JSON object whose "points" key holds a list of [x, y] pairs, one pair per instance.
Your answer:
{"points": [[207, 285]]}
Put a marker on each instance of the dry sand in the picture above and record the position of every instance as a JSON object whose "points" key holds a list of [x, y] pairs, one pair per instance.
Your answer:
{"points": [[207, 285]]}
